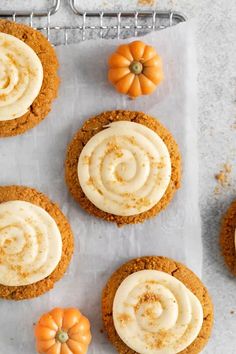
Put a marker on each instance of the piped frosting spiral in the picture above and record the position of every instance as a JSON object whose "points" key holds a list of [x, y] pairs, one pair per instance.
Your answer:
{"points": [[154, 313], [30, 243], [125, 169], [21, 77]]}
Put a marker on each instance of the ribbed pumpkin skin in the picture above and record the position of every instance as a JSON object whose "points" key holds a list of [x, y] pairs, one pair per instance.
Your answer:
{"points": [[62, 331], [135, 69]]}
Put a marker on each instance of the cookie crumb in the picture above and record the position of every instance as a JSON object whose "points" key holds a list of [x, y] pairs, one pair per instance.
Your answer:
{"points": [[223, 176], [146, 2], [233, 126], [217, 190], [124, 318]]}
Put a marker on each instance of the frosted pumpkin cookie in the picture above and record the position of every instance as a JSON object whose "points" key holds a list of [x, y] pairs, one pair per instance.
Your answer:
{"points": [[28, 78], [228, 237], [123, 166], [155, 305], [36, 243]]}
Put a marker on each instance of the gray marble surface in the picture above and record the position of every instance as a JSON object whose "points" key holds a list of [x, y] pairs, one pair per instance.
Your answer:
{"points": [[216, 44]]}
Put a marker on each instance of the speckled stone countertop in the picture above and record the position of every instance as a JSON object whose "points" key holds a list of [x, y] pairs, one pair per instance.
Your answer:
{"points": [[216, 46]]}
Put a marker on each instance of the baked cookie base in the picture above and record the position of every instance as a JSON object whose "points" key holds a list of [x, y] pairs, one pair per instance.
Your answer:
{"points": [[179, 271], [227, 242], [31, 195], [42, 104], [95, 125]]}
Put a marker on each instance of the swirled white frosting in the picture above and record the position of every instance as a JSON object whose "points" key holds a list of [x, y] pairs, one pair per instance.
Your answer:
{"points": [[125, 169], [21, 77], [30, 243], [154, 313]]}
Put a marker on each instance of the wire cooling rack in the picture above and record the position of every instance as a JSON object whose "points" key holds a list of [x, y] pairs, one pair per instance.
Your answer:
{"points": [[95, 24]]}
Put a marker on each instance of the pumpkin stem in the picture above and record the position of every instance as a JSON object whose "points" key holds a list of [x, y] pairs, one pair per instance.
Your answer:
{"points": [[136, 67], [62, 336]]}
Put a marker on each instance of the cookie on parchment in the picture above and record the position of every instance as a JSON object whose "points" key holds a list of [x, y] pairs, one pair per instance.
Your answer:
{"points": [[228, 237], [36, 243], [123, 166], [155, 303], [29, 79]]}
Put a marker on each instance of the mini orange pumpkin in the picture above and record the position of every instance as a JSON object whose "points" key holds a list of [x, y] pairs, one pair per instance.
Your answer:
{"points": [[63, 331], [135, 69]]}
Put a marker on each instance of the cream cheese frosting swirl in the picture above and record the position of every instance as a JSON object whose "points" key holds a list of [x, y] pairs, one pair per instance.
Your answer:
{"points": [[125, 169], [30, 243], [21, 77], [154, 313]]}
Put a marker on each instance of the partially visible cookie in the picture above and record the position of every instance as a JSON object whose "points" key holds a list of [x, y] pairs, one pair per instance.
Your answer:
{"points": [[227, 238], [35, 240], [156, 300], [131, 168], [14, 81]]}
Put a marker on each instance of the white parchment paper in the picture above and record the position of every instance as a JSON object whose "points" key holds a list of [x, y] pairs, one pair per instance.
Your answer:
{"points": [[37, 158]]}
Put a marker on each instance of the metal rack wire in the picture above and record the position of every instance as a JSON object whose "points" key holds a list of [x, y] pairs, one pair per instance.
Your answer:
{"points": [[95, 24]]}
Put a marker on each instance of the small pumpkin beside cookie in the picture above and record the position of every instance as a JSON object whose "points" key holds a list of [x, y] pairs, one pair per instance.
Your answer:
{"points": [[135, 69], [62, 331]]}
